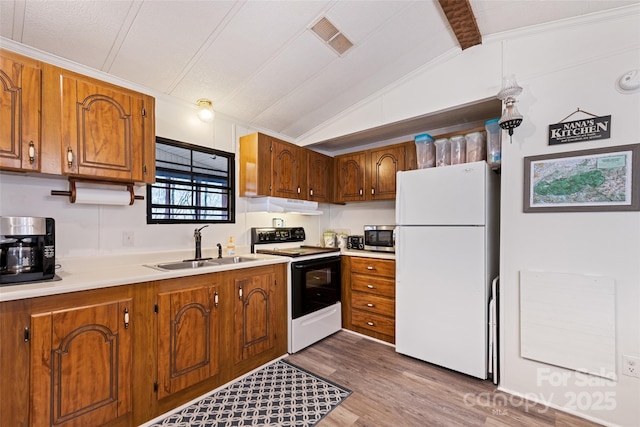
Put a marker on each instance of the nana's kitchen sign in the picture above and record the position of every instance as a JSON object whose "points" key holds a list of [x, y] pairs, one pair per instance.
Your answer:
{"points": [[580, 130]]}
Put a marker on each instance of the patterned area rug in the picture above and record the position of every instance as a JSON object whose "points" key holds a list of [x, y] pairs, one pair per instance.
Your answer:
{"points": [[280, 394]]}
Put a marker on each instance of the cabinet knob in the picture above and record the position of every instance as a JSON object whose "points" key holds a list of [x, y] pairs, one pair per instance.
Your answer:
{"points": [[69, 156], [311, 191], [371, 324], [370, 267], [373, 191], [240, 292], [371, 287], [298, 190], [126, 318], [370, 305], [360, 192], [32, 152], [215, 299]]}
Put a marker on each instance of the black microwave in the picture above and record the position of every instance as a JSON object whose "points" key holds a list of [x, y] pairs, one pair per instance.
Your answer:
{"points": [[381, 238]]}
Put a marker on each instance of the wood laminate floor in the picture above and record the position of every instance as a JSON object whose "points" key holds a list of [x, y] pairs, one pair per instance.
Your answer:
{"points": [[390, 389]]}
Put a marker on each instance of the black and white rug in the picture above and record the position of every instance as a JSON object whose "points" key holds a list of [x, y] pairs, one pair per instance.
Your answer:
{"points": [[280, 394]]}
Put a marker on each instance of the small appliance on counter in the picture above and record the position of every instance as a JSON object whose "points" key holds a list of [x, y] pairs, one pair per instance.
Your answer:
{"points": [[355, 242], [27, 249], [380, 238]]}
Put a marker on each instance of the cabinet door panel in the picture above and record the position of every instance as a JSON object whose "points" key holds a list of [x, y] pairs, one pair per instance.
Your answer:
{"points": [[350, 170], [254, 316], [187, 338], [384, 165], [320, 176], [81, 365], [19, 113], [288, 168], [103, 128]]}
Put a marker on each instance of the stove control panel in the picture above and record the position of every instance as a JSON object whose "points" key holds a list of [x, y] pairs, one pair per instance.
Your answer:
{"points": [[276, 235]]}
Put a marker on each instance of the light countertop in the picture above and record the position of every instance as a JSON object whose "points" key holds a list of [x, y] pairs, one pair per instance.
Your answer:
{"points": [[103, 271], [85, 273], [368, 254]]}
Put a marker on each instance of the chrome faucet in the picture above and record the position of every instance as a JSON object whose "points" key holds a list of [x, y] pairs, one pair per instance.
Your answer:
{"points": [[198, 237]]}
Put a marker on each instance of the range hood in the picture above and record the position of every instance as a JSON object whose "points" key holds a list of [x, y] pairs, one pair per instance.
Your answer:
{"points": [[281, 205]]}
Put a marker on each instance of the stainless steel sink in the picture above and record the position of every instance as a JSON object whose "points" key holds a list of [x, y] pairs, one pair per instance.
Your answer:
{"points": [[232, 260], [183, 265]]}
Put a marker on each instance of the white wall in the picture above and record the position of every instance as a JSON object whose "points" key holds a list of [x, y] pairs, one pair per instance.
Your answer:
{"points": [[560, 71]]}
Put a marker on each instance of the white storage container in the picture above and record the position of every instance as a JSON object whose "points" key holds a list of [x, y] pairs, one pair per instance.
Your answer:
{"points": [[476, 147], [494, 145], [458, 150], [443, 152], [425, 151]]}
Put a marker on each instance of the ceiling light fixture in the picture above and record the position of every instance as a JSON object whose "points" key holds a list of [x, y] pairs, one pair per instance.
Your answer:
{"points": [[205, 110], [511, 117]]}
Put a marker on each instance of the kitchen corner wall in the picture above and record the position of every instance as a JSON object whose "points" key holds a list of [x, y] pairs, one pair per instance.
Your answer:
{"points": [[567, 65]]}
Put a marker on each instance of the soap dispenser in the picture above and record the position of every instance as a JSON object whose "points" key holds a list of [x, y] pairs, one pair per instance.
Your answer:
{"points": [[231, 248]]}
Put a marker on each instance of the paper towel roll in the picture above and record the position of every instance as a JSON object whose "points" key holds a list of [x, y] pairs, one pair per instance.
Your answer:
{"points": [[100, 196]]}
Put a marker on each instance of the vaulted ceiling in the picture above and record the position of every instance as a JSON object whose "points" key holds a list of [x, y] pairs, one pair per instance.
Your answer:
{"points": [[259, 61]]}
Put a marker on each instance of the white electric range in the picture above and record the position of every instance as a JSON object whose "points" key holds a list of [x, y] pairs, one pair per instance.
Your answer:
{"points": [[313, 296]]}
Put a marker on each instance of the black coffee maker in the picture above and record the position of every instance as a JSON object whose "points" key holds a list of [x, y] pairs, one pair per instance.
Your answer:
{"points": [[27, 249]]}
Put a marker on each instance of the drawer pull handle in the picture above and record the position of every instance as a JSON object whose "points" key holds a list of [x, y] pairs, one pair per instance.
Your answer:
{"points": [[370, 267], [370, 305], [371, 287], [371, 324]]}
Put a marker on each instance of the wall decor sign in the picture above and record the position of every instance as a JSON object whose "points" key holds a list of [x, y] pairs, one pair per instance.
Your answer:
{"points": [[601, 179], [588, 129]]}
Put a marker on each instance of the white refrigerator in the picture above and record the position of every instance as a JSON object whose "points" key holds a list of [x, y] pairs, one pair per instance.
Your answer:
{"points": [[447, 238]]}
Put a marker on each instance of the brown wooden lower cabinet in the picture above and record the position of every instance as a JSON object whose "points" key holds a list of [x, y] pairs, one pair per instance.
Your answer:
{"points": [[121, 356], [368, 296], [188, 344], [81, 365]]}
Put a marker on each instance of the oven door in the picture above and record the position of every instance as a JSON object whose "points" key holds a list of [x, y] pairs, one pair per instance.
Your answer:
{"points": [[315, 284]]}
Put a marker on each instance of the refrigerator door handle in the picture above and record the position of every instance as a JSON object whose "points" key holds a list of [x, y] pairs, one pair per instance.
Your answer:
{"points": [[493, 331]]}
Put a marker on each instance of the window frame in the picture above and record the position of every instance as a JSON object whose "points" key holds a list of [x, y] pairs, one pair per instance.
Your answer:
{"points": [[231, 187]]}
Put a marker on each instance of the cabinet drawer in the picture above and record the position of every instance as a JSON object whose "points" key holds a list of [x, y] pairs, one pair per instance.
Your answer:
{"points": [[375, 285], [373, 304], [373, 322], [372, 266]]}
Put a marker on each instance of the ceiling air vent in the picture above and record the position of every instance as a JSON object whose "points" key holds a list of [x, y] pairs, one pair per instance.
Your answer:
{"points": [[330, 35]]}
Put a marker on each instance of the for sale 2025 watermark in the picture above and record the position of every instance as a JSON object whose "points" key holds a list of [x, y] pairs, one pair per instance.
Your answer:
{"points": [[582, 392]]}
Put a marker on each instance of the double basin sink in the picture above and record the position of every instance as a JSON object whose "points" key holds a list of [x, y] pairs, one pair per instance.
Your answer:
{"points": [[199, 263]]}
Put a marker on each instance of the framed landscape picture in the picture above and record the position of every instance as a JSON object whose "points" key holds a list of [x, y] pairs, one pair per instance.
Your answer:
{"points": [[601, 179]]}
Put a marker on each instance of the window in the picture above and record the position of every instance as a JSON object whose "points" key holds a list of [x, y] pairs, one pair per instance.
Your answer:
{"points": [[193, 185]]}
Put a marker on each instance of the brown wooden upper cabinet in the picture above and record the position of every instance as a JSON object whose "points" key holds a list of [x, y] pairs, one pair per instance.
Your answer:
{"points": [[370, 174], [106, 131], [272, 167], [19, 112], [319, 177], [64, 123], [350, 177]]}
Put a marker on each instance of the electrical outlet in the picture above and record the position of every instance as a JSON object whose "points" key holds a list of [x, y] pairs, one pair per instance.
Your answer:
{"points": [[631, 366], [127, 238]]}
